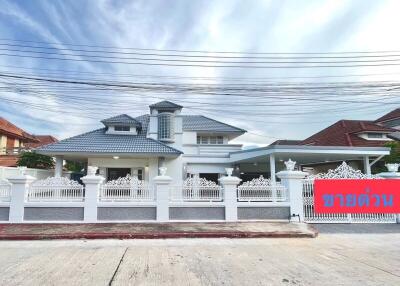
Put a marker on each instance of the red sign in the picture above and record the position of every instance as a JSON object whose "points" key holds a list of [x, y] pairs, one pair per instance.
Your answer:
{"points": [[356, 196]]}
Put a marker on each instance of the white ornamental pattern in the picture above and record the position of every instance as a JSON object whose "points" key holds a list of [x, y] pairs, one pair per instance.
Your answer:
{"points": [[262, 189], [344, 171], [196, 189], [55, 189], [127, 181], [126, 189], [257, 182], [56, 182], [199, 182]]}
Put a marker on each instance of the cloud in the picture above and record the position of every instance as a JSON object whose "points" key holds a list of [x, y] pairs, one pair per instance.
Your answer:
{"points": [[256, 26]]}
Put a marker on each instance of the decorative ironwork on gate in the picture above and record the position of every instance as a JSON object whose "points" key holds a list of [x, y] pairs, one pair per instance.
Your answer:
{"points": [[262, 190], [196, 189], [344, 171], [55, 189], [126, 189]]}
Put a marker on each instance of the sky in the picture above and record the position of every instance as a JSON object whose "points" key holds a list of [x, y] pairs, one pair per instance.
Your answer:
{"points": [[252, 27]]}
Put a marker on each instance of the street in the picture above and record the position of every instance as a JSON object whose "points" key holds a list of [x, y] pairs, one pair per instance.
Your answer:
{"points": [[340, 255]]}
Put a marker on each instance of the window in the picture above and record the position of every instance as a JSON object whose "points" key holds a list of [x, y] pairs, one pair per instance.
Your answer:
{"points": [[165, 126], [375, 135], [210, 139], [122, 128]]}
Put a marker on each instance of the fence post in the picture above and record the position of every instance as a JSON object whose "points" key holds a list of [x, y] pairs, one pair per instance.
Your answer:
{"points": [[162, 183], [391, 175], [19, 188], [92, 186], [293, 181], [229, 184]]}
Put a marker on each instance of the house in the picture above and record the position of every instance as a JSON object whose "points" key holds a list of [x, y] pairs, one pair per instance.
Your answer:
{"points": [[14, 140], [186, 145], [352, 133]]}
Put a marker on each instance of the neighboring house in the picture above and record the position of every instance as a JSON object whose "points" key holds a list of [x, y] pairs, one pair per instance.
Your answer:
{"points": [[187, 145], [353, 133], [13, 140]]}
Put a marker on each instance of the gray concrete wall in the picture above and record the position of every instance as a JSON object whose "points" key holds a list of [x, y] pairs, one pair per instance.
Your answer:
{"points": [[126, 213], [53, 214], [197, 213], [4, 212], [263, 213]]}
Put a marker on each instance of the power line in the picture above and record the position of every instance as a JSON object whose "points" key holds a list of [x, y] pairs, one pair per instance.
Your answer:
{"points": [[197, 51]]}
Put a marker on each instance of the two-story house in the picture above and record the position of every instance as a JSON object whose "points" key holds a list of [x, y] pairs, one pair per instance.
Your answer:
{"points": [[185, 144], [13, 140]]}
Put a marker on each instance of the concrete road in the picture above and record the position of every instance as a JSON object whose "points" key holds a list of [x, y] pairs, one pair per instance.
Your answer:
{"points": [[339, 256]]}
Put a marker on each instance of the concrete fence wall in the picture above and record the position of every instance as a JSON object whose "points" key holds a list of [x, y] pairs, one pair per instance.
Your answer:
{"points": [[30, 203]]}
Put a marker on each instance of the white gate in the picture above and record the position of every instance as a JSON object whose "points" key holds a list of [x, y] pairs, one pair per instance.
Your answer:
{"points": [[344, 172]]}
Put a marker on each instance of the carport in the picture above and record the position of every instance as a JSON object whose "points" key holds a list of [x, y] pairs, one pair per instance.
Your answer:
{"points": [[272, 158]]}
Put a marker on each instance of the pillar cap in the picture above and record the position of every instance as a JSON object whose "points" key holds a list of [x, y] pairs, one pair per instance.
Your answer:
{"points": [[92, 179], [229, 180], [21, 179], [287, 174], [162, 180]]}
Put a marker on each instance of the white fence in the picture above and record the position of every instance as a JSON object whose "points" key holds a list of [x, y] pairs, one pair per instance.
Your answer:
{"points": [[126, 189], [342, 172], [40, 174], [5, 191], [55, 189], [196, 190], [262, 190]]}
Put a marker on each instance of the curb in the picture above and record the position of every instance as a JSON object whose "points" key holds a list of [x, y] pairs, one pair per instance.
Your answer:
{"points": [[158, 235]]}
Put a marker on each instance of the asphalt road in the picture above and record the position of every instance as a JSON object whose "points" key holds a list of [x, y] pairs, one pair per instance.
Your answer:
{"points": [[341, 255]]}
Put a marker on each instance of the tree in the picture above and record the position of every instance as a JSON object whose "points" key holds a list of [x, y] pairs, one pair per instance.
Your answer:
{"points": [[74, 166], [34, 160], [394, 156]]}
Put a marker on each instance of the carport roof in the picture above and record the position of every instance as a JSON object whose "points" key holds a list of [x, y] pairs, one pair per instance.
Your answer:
{"points": [[308, 154]]}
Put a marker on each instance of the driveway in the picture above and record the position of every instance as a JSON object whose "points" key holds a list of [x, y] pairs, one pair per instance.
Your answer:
{"points": [[339, 256]]}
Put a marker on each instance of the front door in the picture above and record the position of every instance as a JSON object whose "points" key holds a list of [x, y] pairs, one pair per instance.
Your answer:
{"points": [[115, 173]]}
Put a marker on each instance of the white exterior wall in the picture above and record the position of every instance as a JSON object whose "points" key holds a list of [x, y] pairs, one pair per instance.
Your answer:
{"points": [[206, 168], [174, 168]]}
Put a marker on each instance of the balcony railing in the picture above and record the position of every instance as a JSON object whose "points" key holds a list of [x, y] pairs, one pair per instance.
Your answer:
{"points": [[13, 151]]}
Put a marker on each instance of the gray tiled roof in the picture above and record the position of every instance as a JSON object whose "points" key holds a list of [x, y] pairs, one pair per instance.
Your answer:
{"points": [[98, 142], [166, 104], [202, 123], [395, 135], [121, 119]]}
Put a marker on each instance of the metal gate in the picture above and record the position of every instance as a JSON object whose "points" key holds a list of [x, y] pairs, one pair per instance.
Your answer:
{"points": [[344, 172]]}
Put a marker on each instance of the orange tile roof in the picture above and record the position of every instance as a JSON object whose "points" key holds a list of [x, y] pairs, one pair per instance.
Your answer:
{"points": [[42, 140], [10, 129]]}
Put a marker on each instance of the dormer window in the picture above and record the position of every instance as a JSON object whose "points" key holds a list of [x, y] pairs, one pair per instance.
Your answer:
{"points": [[375, 135], [166, 126], [122, 128]]}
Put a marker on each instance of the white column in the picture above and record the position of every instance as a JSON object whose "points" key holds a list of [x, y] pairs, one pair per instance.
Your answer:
{"points": [[20, 185], [59, 166], [272, 168], [292, 180], [367, 167], [230, 195], [162, 185], [92, 188]]}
